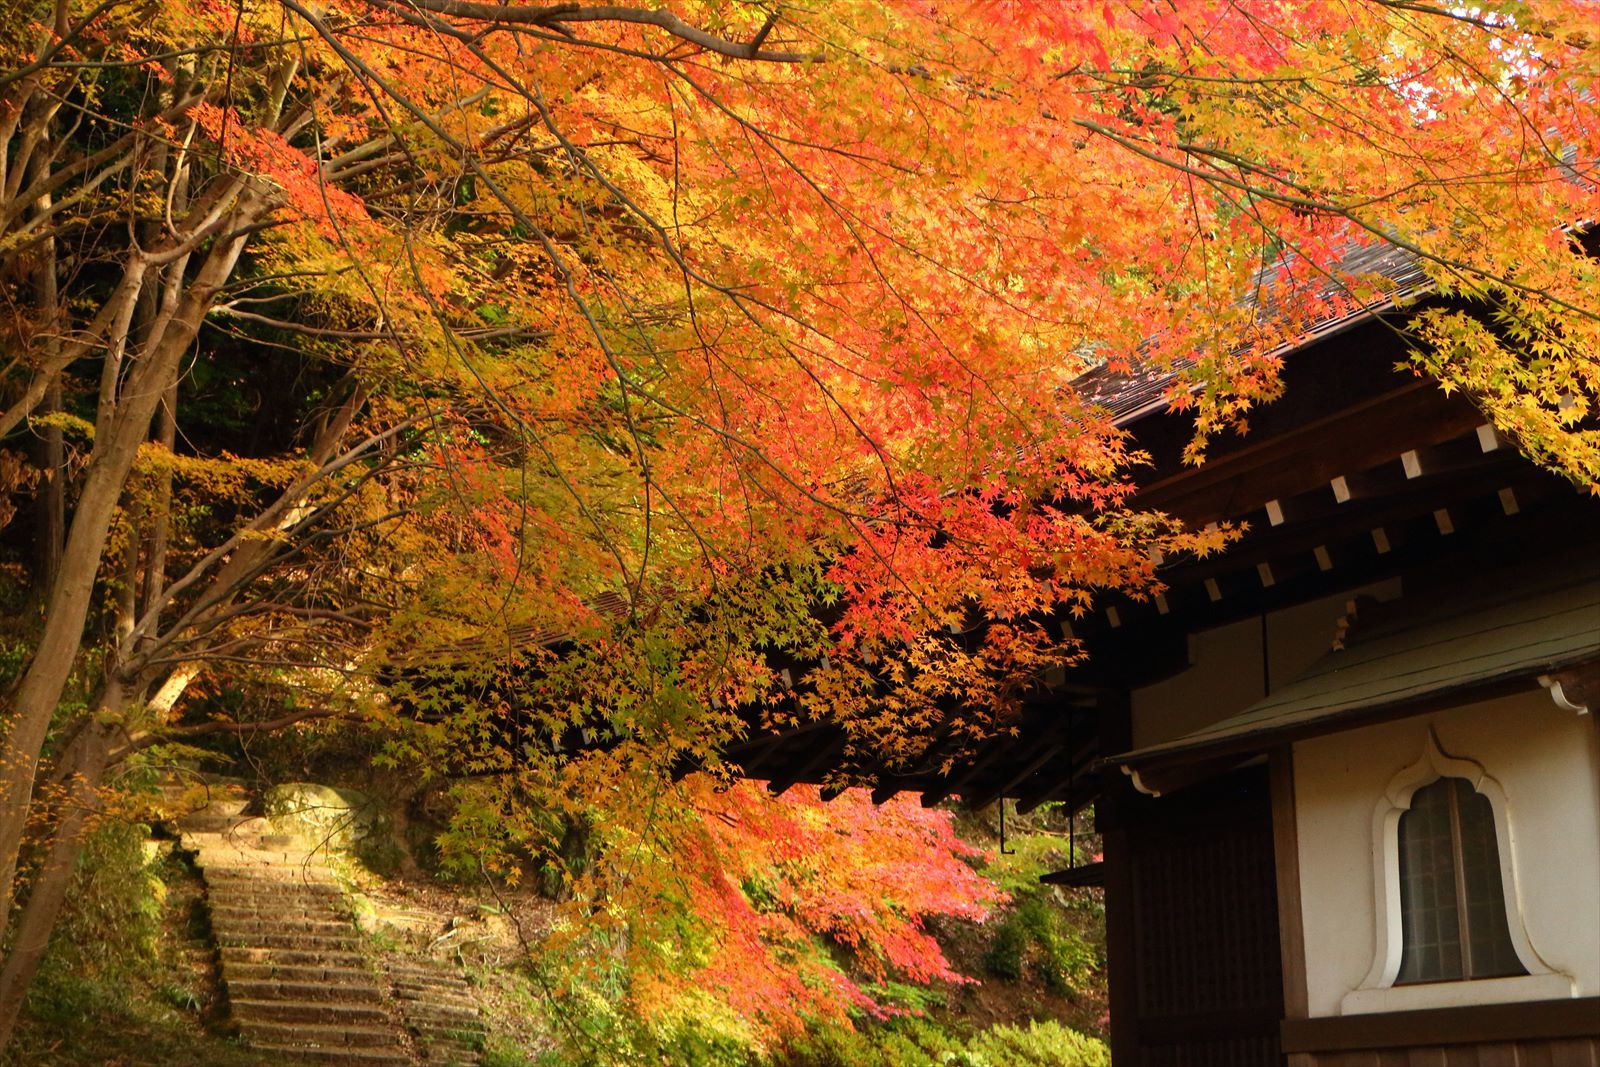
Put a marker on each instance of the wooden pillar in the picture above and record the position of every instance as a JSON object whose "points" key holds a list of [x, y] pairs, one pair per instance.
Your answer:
{"points": [[1286, 856], [1116, 735]]}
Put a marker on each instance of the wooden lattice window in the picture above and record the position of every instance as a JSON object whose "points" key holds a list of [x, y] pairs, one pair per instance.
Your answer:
{"points": [[1452, 900]]}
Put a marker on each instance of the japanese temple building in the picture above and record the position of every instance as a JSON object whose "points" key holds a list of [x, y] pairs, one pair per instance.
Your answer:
{"points": [[1347, 773]]}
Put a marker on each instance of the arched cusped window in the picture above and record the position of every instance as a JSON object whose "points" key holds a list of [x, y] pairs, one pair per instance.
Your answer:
{"points": [[1452, 902], [1447, 906]]}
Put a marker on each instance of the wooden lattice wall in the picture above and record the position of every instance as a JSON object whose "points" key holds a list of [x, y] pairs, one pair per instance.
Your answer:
{"points": [[1205, 927]]}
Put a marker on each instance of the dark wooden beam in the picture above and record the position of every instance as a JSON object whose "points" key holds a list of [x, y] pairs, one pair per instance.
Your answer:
{"points": [[1074, 798], [752, 755], [1327, 522], [885, 791], [953, 785], [1080, 767], [1484, 535], [1540, 1019], [804, 769], [1088, 874], [1006, 785], [1343, 442], [1165, 779]]}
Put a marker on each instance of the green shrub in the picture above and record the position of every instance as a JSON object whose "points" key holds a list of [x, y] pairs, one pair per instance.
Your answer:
{"points": [[907, 1041], [1035, 936], [919, 1042], [1007, 951], [1040, 1044], [107, 931]]}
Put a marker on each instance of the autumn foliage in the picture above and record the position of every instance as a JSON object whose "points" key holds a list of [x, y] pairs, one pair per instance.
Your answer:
{"points": [[771, 883], [612, 351]]}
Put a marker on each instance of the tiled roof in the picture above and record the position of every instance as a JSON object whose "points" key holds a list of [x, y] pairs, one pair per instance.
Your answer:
{"points": [[1131, 396]]}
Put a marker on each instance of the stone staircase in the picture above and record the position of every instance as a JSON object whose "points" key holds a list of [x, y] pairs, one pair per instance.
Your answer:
{"points": [[439, 1009], [298, 976]]}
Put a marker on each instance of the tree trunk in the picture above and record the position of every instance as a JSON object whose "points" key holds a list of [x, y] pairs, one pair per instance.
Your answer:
{"points": [[50, 453], [54, 876], [155, 567], [51, 527], [116, 446]]}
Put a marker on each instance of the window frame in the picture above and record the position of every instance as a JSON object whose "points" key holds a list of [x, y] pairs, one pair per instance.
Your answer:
{"points": [[1454, 792], [1378, 991]]}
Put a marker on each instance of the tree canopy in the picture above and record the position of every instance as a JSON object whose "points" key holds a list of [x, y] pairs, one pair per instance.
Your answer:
{"points": [[585, 356]]}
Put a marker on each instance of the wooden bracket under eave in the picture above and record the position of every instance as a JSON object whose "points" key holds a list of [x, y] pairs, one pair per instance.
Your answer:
{"points": [[1576, 689]]}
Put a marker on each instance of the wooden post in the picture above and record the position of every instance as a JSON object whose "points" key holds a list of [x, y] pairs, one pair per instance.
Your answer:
{"points": [[1116, 735], [1286, 854]]}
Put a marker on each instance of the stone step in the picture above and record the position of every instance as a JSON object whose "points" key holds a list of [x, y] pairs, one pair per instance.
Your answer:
{"points": [[427, 978], [287, 899], [299, 985], [408, 997], [425, 973], [247, 930], [347, 1057], [272, 879], [431, 981], [343, 992], [207, 821], [451, 1054], [232, 914], [277, 972], [454, 1048], [287, 939], [464, 1037], [445, 1022], [300, 1035], [459, 1051], [451, 1022], [293, 910], [239, 856], [235, 909], [241, 861], [242, 858], [271, 884], [309, 1011], [253, 835], [270, 876], [294, 957], [443, 1004]]}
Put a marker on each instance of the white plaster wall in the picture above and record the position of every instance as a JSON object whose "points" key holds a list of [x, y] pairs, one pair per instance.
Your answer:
{"points": [[1226, 676], [1548, 762]]}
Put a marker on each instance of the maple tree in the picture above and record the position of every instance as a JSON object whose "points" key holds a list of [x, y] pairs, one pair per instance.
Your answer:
{"points": [[729, 911], [659, 330]]}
